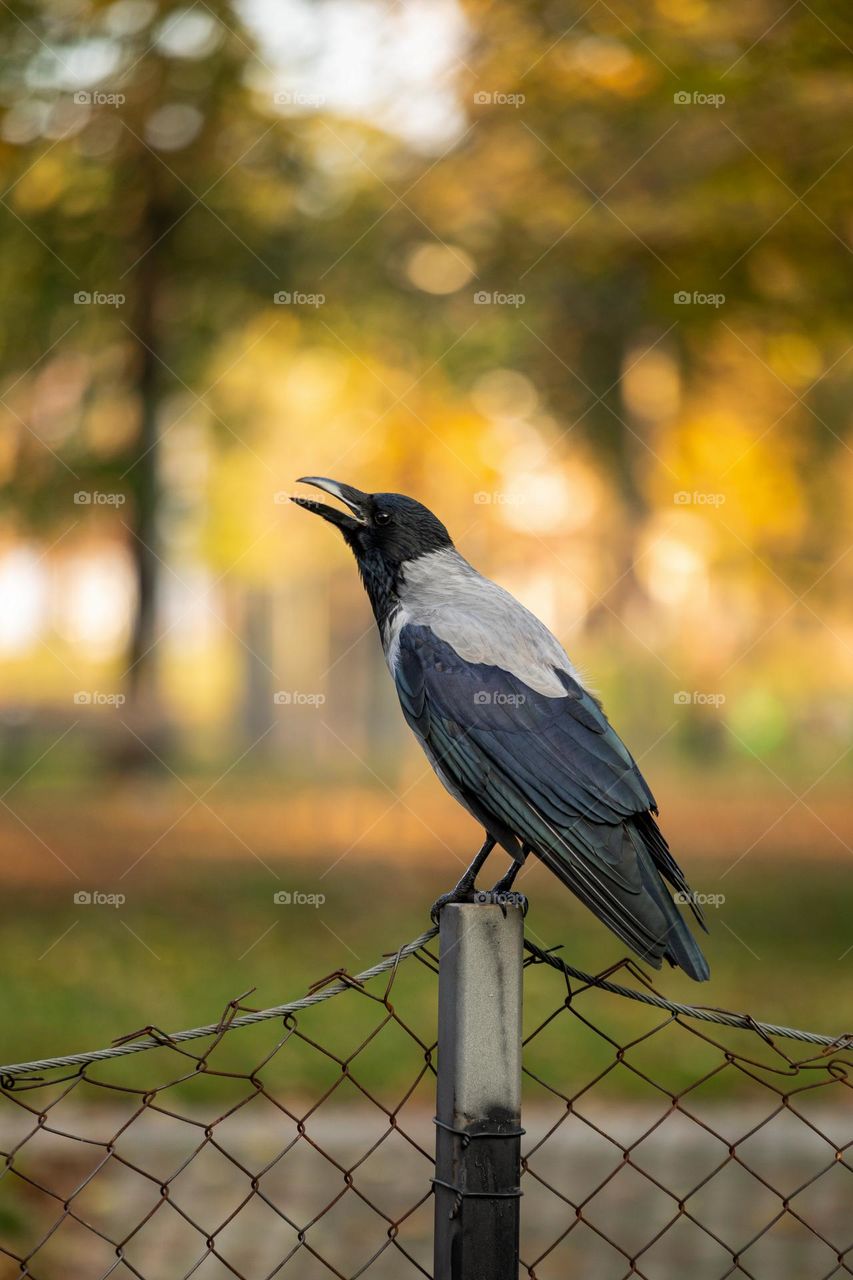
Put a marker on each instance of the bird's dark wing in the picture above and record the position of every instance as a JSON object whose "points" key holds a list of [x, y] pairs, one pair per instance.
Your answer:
{"points": [[554, 773]]}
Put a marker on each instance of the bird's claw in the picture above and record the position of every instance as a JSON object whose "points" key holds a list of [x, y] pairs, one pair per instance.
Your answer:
{"points": [[447, 899]]}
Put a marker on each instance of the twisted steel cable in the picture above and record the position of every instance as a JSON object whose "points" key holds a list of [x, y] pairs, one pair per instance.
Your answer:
{"points": [[722, 1017]]}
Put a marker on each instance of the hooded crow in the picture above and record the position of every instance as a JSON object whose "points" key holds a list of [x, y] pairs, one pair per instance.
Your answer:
{"points": [[510, 729]]}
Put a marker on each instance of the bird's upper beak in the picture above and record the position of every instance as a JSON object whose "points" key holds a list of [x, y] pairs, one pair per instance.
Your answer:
{"points": [[357, 502]]}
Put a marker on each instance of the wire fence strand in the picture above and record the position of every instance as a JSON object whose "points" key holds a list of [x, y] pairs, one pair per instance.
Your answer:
{"points": [[662, 1138], [723, 1017], [156, 1041], [703, 1013]]}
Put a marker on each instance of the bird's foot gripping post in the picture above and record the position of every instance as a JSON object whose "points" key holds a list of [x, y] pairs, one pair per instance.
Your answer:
{"points": [[478, 1113], [464, 890]]}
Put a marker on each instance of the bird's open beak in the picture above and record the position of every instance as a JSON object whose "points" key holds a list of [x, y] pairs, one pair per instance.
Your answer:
{"points": [[357, 502]]}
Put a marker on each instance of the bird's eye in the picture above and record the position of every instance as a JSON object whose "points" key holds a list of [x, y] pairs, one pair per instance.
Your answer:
{"points": [[382, 517]]}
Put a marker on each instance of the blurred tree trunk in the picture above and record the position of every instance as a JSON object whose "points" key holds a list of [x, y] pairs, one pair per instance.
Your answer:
{"points": [[620, 451], [144, 476], [259, 677], [143, 479]]}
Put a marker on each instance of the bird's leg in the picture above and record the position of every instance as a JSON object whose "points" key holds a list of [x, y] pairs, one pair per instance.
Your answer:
{"points": [[464, 890], [504, 885], [502, 892]]}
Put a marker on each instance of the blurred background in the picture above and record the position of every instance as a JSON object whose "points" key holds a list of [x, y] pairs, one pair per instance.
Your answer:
{"points": [[576, 278]]}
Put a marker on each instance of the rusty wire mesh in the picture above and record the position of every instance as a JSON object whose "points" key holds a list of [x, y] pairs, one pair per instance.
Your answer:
{"points": [[682, 1149], [184, 1162], [301, 1145]]}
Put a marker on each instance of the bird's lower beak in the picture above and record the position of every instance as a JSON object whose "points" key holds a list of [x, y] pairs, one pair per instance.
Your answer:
{"points": [[352, 498]]}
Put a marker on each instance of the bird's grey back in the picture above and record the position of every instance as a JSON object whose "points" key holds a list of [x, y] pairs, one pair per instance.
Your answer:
{"points": [[480, 620]]}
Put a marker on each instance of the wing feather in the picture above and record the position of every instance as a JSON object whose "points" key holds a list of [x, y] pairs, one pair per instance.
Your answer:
{"points": [[551, 771]]}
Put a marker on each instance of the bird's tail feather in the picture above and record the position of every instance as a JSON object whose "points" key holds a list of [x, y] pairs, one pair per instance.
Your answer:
{"points": [[680, 947], [643, 914], [647, 918]]}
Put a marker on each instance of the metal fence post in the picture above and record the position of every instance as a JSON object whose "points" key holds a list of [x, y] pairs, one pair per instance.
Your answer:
{"points": [[478, 1120]]}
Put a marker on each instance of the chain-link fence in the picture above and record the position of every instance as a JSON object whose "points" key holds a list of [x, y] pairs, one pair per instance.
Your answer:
{"points": [[691, 1144], [299, 1141]]}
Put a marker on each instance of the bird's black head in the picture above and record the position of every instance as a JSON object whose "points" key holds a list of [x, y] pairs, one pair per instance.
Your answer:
{"points": [[384, 531]]}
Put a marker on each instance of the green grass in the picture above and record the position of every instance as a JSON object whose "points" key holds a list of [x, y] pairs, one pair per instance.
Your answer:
{"points": [[193, 936]]}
